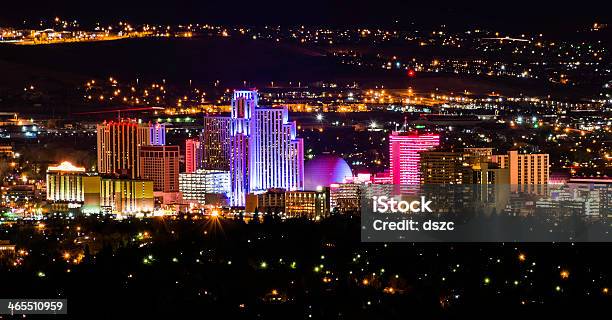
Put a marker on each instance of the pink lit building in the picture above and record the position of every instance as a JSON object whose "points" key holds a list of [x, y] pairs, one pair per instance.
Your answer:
{"points": [[404, 148], [193, 155]]}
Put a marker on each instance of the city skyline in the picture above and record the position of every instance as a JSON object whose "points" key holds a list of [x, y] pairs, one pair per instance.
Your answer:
{"points": [[319, 160]]}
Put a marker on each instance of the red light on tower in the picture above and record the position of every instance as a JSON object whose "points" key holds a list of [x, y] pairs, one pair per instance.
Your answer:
{"points": [[411, 73]]}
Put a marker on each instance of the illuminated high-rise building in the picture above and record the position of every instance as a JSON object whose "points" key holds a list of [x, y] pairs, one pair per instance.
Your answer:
{"points": [[263, 151], [158, 135], [161, 165], [70, 187], [65, 183], [243, 106], [345, 197], [404, 149], [205, 186], [118, 144], [442, 167], [525, 169], [193, 155], [276, 156], [215, 143]]}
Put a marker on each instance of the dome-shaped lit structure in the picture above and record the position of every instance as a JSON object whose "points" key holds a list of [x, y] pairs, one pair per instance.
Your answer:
{"points": [[324, 170]]}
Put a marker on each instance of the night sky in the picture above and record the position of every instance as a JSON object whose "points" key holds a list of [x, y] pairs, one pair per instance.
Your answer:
{"points": [[506, 15]]}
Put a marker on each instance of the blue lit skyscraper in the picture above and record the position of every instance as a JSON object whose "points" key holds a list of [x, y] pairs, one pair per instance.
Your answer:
{"points": [[264, 151], [158, 134], [243, 105], [276, 157]]}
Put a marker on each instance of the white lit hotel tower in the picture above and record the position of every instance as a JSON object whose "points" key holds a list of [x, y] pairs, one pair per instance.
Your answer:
{"points": [[264, 151]]}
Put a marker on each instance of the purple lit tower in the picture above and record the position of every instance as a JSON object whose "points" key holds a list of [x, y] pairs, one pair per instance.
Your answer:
{"points": [[157, 135], [243, 105], [276, 155], [264, 151]]}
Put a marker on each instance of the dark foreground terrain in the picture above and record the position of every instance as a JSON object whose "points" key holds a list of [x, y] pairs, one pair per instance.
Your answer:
{"points": [[296, 270]]}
